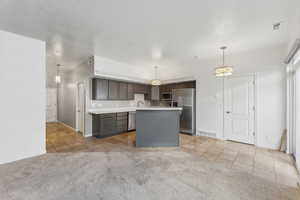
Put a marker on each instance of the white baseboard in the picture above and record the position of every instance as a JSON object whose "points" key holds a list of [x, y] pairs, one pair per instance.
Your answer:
{"points": [[207, 134], [23, 157], [88, 135], [66, 125]]}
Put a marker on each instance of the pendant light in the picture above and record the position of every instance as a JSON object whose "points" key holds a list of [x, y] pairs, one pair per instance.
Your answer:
{"points": [[155, 81], [57, 77], [223, 70]]}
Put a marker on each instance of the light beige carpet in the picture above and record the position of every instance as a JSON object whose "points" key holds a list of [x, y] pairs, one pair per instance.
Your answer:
{"points": [[132, 175]]}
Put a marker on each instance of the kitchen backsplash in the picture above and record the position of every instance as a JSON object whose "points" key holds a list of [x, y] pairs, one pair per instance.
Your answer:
{"points": [[113, 104]]}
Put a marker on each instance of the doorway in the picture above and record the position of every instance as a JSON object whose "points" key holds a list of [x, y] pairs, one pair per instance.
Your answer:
{"points": [[239, 109], [80, 108], [51, 103], [293, 110]]}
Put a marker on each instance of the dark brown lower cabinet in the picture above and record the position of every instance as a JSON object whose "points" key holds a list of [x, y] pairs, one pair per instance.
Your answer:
{"points": [[105, 125]]}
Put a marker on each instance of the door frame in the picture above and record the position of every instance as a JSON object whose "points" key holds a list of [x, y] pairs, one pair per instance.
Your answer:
{"points": [[255, 100], [293, 109], [291, 106], [77, 106]]}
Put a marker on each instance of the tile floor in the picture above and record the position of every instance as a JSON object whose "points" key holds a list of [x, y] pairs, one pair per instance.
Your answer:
{"points": [[275, 167]]}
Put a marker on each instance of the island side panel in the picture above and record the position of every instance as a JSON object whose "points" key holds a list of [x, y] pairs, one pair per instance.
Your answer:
{"points": [[157, 128]]}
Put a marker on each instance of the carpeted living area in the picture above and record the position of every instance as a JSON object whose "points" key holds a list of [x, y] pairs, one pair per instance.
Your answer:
{"points": [[134, 175]]}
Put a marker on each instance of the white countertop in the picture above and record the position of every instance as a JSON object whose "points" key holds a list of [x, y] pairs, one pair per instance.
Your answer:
{"points": [[159, 108], [127, 109], [111, 110]]}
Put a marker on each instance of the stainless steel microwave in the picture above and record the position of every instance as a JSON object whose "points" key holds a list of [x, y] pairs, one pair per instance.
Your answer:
{"points": [[166, 96]]}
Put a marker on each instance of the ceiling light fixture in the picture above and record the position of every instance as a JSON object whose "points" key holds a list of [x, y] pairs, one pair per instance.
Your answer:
{"points": [[155, 81], [223, 70], [57, 77]]}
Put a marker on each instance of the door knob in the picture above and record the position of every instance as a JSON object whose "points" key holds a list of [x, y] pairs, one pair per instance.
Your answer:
{"points": [[228, 112]]}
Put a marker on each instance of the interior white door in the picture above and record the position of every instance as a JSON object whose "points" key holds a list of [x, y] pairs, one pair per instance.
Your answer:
{"points": [[80, 107], [239, 109], [51, 109]]}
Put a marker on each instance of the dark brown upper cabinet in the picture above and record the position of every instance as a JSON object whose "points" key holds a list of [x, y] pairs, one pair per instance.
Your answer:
{"points": [[139, 88], [103, 89], [148, 92], [190, 84], [142, 88], [169, 87], [130, 91], [165, 88], [123, 91], [100, 89], [113, 90]]}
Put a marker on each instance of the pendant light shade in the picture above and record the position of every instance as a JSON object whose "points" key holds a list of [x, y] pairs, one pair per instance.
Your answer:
{"points": [[155, 81], [223, 70]]}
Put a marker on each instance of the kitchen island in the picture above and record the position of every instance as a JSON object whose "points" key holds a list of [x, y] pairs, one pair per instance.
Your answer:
{"points": [[157, 126]]}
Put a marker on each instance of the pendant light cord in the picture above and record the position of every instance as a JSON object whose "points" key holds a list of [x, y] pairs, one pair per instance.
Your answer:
{"points": [[57, 69], [223, 54], [223, 57]]}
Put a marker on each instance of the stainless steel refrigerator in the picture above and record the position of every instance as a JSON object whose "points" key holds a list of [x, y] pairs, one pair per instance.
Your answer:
{"points": [[185, 98]]}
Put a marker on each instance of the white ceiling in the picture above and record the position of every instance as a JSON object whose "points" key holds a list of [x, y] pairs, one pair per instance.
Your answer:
{"points": [[143, 33]]}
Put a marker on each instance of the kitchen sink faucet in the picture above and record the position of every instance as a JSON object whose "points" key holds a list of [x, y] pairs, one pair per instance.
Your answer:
{"points": [[139, 103]]}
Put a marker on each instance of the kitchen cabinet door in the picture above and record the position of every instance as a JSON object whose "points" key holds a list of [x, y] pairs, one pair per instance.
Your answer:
{"points": [[189, 84], [148, 92], [96, 125], [162, 88], [130, 91], [99, 89], [123, 91], [166, 88], [122, 122], [107, 126], [113, 90], [139, 89]]}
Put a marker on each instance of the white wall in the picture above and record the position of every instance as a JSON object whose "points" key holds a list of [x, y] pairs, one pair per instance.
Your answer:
{"points": [[270, 87], [294, 27], [23, 97], [271, 108], [267, 65], [109, 68], [209, 106]]}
